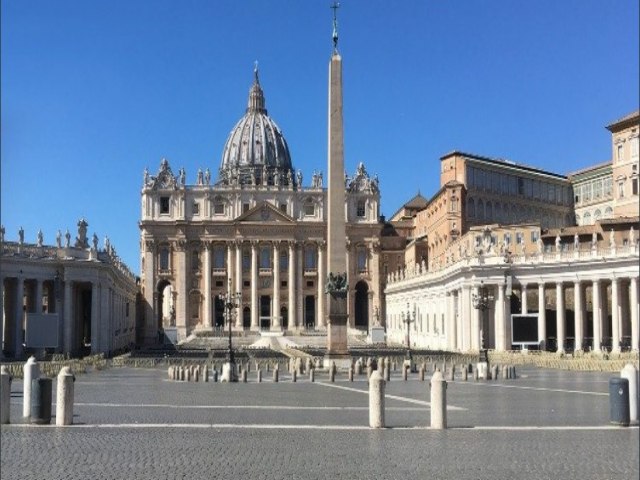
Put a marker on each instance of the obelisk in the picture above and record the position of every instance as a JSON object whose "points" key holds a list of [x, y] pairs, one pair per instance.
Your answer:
{"points": [[337, 283]]}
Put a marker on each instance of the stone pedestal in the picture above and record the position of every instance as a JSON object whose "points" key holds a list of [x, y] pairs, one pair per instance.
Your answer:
{"points": [[483, 370], [377, 335]]}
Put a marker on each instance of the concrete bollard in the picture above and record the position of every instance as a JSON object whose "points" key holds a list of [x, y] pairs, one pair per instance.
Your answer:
{"points": [[31, 371], [513, 371], [312, 374], [205, 373], [358, 367], [196, 374], [494, 372], [275, 375], [214, 375], [452, 372], [187, 374], [294, 375], [504, 372], [259, 375], [387, 373], [438, 401], [170, 373], [465, 374], [243, 375], [405, 369], [475, 374], [421, 373], [351, 374], [376, 400], [630, 373], [395, 365], [5, 395], [64, 397]]}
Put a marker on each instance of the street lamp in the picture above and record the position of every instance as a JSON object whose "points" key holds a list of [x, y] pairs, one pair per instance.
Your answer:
{"points": [[231, 301], [481, 302], [408, 317]]}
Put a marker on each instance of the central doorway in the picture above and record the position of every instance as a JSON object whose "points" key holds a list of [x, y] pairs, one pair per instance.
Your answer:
{"points": [[362, 305], [265, 312]]}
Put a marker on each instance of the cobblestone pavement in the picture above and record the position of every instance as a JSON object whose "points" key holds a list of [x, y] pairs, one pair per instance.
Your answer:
{"points": [[136, 424]]}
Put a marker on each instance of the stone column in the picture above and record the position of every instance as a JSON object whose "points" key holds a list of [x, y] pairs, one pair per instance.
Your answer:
{"points": [[523, 299], [151, 310], [19, 317], [95, 318], [206, 304], [254, 285], [633, 301], [276, 286], [322, 299], [230, 266], [500, 320], [67, 323], [465, 343], [615, 316], [182, 300], [542, 317], [38, 299], [238, 269], [560, 316], [292, 284], [597, 316], [299, 286], [3, 320], [476, 325], [460, 320], [578, 315], [452, 333]]}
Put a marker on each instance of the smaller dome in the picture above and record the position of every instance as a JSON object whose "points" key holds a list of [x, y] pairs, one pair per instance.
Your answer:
{"points": [[256, 146]]}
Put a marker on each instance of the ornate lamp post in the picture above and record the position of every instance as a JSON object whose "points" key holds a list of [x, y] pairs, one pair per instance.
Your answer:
{"points": [[409, 317], [481, 302], [232, 301]]}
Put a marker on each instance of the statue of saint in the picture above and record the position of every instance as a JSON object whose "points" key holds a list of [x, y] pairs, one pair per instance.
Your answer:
{"points": [[540, 245], [632, 236], [576, 242], [40, 238], [59, 239], [200, 177], [299, 179], [183, 176], [2, 233], [67, 238], [145, 177], [94, 240], [207, 177], [594, 240], [612, 239], [558, 242]]}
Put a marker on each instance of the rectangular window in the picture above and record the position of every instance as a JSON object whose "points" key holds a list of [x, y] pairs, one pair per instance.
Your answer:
{"points": [[245, 207], [534, 236], [218, 257], [620, 155], [283, 207], [634, 186], [552, 193], [586, 192], [607, 187], [620, 189], [164, 205], [196, 209], [164, 258], [519, 238], [284, 261], [507, 239], [470, 177], [559, 194], [309, 209], [246, 260], [265, 257], [528, 187], [360, 210], [597, 189], [513, 185], [634, 147], [218, 208], [536, 189], [520, 186], [362, 260], [578, 195], [310, 258]]}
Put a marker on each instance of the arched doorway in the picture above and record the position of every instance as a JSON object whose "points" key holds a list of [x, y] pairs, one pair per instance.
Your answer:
{"points": [[362, 305], [166, 313]]}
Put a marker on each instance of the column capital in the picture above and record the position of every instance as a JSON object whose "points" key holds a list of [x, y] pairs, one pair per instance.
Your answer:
{"points": [[180, 245], [149, 244]]}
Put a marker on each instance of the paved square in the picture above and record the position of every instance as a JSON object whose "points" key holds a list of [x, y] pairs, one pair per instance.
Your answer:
{"points": [[135, 423]]}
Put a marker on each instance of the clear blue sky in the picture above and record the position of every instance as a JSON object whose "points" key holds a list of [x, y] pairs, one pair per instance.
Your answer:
{"points": [[95, 91]]}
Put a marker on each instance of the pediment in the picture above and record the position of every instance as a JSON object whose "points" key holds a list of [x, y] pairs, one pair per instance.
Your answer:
{"points": [[265, 212]]}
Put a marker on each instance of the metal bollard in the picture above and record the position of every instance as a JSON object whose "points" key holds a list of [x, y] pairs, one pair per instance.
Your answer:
{"points": [[214, 375], [376, 400], [631, 374], [494, 372], [387, 373], [187, 374], [438, 401], [275, 375], [41, 401], [30, 372], [475, 374], [294, 375], [196, 374], [5, 395], [259, 375], [351, 374], [312, 374], [465, 374], [205, 373], [505, 372], [619, 401], [452, 373], [513, 371], [64, 397], [243, 375], [422, 373]]}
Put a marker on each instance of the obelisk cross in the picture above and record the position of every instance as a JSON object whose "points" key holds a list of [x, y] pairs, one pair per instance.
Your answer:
{"points": [[335, 7]]}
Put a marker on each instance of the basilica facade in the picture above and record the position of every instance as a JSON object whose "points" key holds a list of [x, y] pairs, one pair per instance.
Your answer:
{"points": [[256, 231]]}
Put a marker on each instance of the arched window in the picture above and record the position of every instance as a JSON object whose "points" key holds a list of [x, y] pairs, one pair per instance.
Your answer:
{"points": [[489, 210], [361, 209], [597, 215], [480, 211], [586, 218], [164, 258], [608, 212], [578, 219]]}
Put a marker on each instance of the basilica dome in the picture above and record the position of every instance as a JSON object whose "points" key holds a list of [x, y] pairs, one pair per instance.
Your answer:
{"points": [[256, 150]]}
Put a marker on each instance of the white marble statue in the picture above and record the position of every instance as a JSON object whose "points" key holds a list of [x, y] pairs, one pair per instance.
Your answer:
{"points": [[539, 244], [576, 242], [632, 236], [2, 233], [40, 238], [594, 240], [21, 236], [59, 239], [558, 243], [67, 239], [612, 239], [94, 240]]}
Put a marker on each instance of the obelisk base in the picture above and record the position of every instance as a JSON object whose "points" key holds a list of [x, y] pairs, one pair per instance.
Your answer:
{"points": [[337, 349]]}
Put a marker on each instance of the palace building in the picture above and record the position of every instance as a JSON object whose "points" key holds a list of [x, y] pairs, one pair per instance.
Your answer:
{"points": [[257, 228], [500, 238]]}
